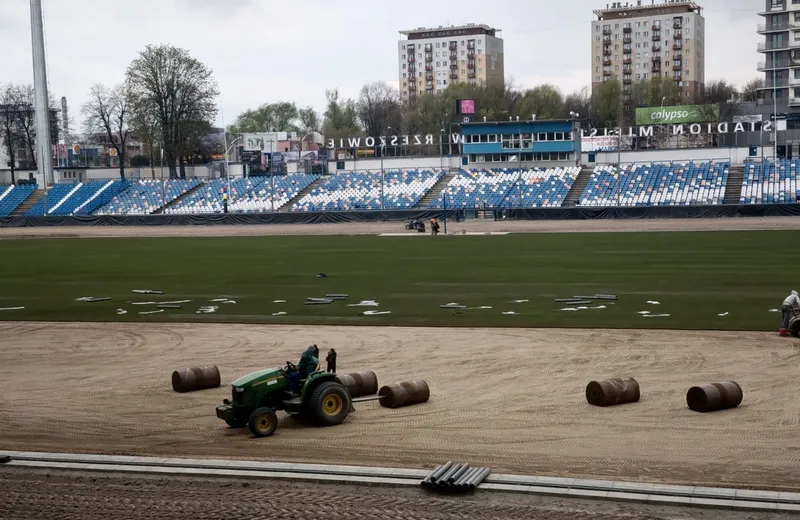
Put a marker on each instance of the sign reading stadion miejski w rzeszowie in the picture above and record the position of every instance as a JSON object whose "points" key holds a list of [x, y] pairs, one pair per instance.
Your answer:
{"points": [[632, 131]]}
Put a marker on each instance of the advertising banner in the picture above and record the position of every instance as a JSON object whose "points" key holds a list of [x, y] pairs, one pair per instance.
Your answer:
{"points": [[679, 114]]}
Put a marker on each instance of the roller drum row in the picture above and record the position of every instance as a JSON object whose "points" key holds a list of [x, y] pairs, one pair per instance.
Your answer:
{"points": [[455, 477], [705, 398], [197, 378]]}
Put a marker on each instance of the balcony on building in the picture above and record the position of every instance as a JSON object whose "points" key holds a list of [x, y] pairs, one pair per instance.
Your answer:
{"points": [[677, 24], [794, 102], [627, 70], [606, 32], [606, 61], [677, 66], [428, 47], [656, 66], [655, 27], [769, 84], [606, 41], [656, 48], [764, 28], [773, 64], [454, 66], [411, 59], [627, 39], [471, 74], [454, 75], [428, 68], [471, 45], [471, 65], [677, 46], [606, 72], [677, 36], [627, 50], [627, 29], [453, 46], [656, 37], [627, 60], [626, 80], [773, 46]]}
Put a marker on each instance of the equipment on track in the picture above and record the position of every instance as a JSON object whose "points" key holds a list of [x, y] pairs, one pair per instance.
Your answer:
{"points": [[714, 397], [257, 396], [197, 378], [455, 477], [613, 391]]}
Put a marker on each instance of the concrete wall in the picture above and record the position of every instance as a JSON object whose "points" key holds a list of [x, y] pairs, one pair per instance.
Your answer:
{"points": [[734, 155]]}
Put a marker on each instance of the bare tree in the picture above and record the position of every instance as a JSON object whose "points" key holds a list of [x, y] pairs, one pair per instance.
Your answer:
{"points": [[108, 113], [145, 127], [176, 88], [750, 89], [9, 128], [309, 120], [378, 108]]}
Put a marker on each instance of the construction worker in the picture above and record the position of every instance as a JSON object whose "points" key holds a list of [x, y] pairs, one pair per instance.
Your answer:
{"points": [[790, 308], [309, 361], [331, 359]]}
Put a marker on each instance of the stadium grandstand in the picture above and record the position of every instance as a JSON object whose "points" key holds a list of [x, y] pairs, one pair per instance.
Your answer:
{"points": [[703, 183]]}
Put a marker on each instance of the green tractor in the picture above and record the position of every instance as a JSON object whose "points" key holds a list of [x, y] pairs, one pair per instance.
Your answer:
{"points": [[257, 396]]}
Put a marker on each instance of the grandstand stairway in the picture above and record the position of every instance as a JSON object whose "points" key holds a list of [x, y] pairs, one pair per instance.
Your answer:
{"points": [[302, 194], [575, 192], [733, 189], [435, 190], [28, 203], [178, 200]]}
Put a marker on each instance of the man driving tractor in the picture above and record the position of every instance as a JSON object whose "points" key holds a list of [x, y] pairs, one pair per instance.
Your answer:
{"points": [[309, 361]]}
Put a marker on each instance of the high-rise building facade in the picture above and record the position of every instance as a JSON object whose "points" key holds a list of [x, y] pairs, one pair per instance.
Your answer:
{"points": [[638, 42], [429, 60], [781, 49]]}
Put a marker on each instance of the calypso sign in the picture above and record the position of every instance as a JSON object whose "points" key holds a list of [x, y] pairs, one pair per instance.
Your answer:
{"points": [[677, 114]]}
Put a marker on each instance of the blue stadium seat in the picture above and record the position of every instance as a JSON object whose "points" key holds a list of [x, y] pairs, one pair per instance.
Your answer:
{"points": [[53, 197], [675, 184], [145, 197], [402, 189], [12, 196], [770, 182]]}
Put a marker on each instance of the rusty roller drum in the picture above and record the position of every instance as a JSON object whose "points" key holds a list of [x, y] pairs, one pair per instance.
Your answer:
{"points": [[404, 394], [713, 397], [359, 384], [613, 391], [197, 378]]}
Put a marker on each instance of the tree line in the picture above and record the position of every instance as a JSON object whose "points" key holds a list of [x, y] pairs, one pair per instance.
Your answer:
{"points": [[168, 102]]}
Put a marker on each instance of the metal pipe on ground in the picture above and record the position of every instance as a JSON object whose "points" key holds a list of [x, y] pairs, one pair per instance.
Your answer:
{"points": [[714, 397], [611, 392], [359, 384], [196, 378], [441, 471], [458, 474], [461, 483], [404, 394], [427, 480], [478, 478], [443, 479]]}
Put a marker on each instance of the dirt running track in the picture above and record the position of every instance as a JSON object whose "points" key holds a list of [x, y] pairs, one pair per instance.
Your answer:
{"points": [[509, 399], [372, 228], [40, 494]]}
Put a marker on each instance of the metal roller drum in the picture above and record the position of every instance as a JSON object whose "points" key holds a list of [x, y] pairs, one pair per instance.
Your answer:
{"points": [[197, 378], [613, 391], [713, 397], [359, 383], [404, 394]]}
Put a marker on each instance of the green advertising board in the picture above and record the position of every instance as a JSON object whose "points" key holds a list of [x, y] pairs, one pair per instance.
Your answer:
{"points": [[677, 114]]}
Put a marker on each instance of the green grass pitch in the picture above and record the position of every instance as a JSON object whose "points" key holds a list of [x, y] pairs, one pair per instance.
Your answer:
{"points": [[695, 276]]}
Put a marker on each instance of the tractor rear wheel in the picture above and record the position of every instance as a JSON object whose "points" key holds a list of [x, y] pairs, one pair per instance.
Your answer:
{"points": [[263, 422], [329, 404]]}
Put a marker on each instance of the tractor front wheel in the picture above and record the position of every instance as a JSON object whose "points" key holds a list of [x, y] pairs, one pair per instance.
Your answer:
{"points": [[263, 422], [329, 404]]}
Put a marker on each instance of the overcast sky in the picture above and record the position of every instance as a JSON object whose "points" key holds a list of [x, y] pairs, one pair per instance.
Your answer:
{"points": [[266, 51]]}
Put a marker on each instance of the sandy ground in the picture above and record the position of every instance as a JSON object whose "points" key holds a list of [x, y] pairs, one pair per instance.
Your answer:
{"points": [[509, 399], [39, 494], [373, 228]]}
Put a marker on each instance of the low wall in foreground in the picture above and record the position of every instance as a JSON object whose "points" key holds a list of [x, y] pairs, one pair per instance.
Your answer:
{"points": [[572, 213]]}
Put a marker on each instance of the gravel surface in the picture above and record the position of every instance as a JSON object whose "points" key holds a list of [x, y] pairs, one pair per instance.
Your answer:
{"points": [[39, 494], [374, 228], [510, 399]]}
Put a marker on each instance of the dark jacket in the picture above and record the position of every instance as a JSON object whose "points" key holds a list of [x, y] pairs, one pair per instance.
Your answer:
{"points": [[308, 361]]}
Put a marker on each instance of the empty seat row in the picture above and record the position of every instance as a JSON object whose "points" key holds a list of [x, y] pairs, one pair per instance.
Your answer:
{"points": [[11, 196]]}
